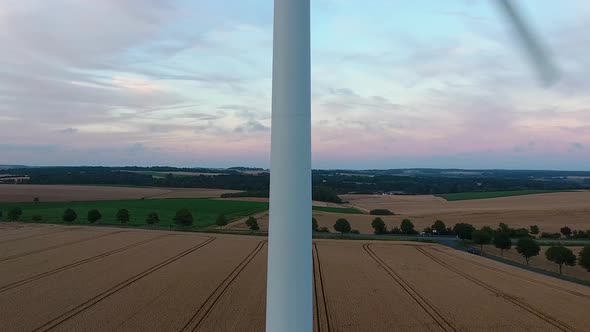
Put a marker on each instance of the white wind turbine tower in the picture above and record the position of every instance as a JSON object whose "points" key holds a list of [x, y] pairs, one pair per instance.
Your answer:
{"points": [[289, 305]]}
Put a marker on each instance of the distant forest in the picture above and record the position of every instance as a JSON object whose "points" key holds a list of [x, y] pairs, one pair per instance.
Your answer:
{"points": [[327, 184]]}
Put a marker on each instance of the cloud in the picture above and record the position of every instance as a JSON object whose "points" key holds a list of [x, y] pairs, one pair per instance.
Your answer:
{"points": [[68, 131], [28, 148], [251, 126], [181, 82]]}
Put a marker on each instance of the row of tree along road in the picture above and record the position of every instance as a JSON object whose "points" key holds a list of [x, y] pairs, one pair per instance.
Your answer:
{"points": [[501, 238], [183, 217]]}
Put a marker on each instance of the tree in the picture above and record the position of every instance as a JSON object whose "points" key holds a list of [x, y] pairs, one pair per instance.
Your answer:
{"points": [[481, 237], [560, 255], [519, 233], [379, 226], [503, 242], [440, 227], [396, 230], [342, 225], [463, 230], [503, 228], [581, 234], [528, 248], [152, 218], [123, 216], [36, 200], [37, 217], [488, 230], [407, 227], [221, 220], [252, 223], [69, 215], [381, 212], [584, 257], [314, 225], [325, 194], [183, 217], [14, 214], [94, 216], [534, 229], [566, 231], [427, 230]]}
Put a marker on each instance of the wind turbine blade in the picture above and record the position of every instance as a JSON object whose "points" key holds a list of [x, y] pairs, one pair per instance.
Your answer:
{"points": [[539, 56]]}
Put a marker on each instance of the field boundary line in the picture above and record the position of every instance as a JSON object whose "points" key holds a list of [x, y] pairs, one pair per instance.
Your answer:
{"points": [[438, 318], [57, 246], [39, 235], [315, 294], [527, 307], [514, 275], [316, 259], [78, 263], [98, 298], [205, 309]]}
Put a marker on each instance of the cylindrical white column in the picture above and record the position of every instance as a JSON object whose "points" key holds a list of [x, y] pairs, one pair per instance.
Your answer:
{"points": [[289, 298]]}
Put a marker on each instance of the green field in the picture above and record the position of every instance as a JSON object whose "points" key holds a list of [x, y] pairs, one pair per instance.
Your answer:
{"points": [[338, 210], [493, 194], [204, 211]]}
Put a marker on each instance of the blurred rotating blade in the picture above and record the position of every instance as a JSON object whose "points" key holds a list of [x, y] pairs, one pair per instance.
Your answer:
{"points": [[539, 56]]}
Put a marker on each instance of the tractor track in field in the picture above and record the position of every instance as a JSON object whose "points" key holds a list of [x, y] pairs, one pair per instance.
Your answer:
{"points": [[57, 246], [25, 281], [439, 318], [98, 298], [39, 235], [527, 307], [203, 311], [514, 275], [320, 279]]}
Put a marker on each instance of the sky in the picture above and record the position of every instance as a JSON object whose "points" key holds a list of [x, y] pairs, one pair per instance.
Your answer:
{"points": [[395, 84]]}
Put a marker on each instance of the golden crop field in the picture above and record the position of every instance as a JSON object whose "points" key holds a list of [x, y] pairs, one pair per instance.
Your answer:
{"points": [[549, 211], [69, 278]]}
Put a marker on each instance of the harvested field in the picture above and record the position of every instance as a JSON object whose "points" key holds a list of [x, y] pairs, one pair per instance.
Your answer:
{"points": [[549, 211], [494, 194], [68, 193], [109, 279]]}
